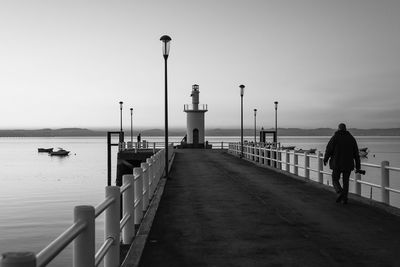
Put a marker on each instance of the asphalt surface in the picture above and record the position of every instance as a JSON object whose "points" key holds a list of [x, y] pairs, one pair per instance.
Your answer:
{"points": [[218, 210]]}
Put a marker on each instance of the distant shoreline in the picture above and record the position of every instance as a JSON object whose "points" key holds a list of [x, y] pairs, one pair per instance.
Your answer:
{"points": [[82, 132]]}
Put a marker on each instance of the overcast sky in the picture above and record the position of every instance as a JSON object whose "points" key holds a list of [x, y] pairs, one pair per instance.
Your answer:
{"points": [[66, 63]]}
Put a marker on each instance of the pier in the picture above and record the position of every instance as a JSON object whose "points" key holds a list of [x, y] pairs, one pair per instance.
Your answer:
{"points": [[219, 210]]}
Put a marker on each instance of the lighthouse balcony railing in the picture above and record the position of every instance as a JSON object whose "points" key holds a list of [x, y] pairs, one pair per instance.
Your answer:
{"points": [[192, 107]]}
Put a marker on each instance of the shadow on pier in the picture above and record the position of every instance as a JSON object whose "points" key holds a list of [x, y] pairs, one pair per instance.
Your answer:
{"points": [[218, 210]]}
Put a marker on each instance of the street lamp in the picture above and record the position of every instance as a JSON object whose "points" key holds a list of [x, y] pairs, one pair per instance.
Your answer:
{"points": [[255, 126], [276, 121], [241, 119], [120, 131], [165, 39], [131, 126]]}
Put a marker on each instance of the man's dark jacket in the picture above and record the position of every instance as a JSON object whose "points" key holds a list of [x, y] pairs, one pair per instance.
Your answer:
{"points": [[342, 150]]}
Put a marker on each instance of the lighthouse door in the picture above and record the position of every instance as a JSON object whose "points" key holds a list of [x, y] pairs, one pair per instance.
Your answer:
{"points": [[196, 136]]}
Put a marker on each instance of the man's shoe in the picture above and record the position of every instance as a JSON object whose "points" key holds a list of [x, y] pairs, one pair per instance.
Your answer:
{"points": [[339, 198]]}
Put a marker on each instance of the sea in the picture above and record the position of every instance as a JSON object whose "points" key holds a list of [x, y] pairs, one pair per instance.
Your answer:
{"points": [[38, 191]]}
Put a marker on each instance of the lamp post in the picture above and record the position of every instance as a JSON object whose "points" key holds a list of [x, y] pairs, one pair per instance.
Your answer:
{"points": [[120, 130], [276, 121], [255, 126], [241, 119], [131, 126], [165, 39]]}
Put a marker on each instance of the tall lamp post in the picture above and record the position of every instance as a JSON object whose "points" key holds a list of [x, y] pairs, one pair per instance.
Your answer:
{"points": [[131, 126], [165, 39], [276, 121], [120, 130], [241, 119], [255, 126]]}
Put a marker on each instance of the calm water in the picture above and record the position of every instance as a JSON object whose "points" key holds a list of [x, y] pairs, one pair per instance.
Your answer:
{"points": [[38, 192]]}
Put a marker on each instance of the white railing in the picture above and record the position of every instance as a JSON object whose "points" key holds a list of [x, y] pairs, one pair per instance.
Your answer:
{"points": [[137, 191], [288, 161], [144, 145]]}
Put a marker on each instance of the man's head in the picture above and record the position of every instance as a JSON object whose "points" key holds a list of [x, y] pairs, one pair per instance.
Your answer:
{"points": [[342, 127]]}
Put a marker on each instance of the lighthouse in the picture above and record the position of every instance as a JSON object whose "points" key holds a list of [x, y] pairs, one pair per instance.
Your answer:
{"points": [[195, 120]]}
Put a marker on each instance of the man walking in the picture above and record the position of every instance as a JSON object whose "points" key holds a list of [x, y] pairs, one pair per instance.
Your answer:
{"points": [[343, 155]]}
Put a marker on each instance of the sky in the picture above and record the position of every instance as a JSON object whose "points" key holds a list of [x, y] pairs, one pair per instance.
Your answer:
{"points": [[67, 63]]}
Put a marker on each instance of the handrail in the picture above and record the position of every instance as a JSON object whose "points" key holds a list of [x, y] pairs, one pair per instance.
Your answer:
{"points": [[103, 206], [103, 251], [47, 254], [272, 157]]}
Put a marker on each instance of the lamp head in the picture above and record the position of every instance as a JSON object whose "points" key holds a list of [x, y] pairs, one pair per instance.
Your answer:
{"points": [[276, 104], [241, 89], [165, 39], [120, 104]]}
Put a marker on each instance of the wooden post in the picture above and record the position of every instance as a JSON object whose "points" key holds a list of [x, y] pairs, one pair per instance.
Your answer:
{"points": [[128, 232], [385, 182], [320, 167], [287, 153], [18, 259], [84, 247], [306, 165], [112, 229], [138, 174], [295, 163]]}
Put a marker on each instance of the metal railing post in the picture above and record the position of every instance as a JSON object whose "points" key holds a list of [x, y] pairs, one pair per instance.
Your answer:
{"points": [[138, 174], [18, 259], [295, 163], [306, 165], [385, 182], [146, 184], [84, 246], [287, 154], [128, 232], [320, 167], [112, 230]]}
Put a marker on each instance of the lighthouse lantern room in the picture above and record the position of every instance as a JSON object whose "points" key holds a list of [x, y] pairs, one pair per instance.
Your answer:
{"points": [[195, 120]]}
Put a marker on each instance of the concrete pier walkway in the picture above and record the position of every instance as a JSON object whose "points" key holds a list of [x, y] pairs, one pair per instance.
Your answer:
{"points": [[218, 210]]}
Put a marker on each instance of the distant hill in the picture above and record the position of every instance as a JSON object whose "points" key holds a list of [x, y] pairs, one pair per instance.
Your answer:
{"points": [[181, 132], [305, 132]]}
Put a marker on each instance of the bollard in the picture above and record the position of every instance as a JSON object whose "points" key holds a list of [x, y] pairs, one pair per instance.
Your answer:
{"points": [[320, 168], [385, 182], [306, 166], [138, 174], [146, 184], [295, 163], [112, 229], [84, 245], [128, 232], [287, 154], [357, 185], [18, 259]]}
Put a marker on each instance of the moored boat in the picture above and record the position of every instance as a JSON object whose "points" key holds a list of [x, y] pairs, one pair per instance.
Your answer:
{"points": [[363, 152], [47, 150], [60, 152], [288, 147]]}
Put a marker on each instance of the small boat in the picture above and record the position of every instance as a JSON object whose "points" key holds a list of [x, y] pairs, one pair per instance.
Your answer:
{"points": [[288, 147], [47, 150], [60, 152], [309, 151], [363, 152]]}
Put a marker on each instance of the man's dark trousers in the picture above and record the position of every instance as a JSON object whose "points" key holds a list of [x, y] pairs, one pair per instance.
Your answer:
{"points": [[335, 181]]}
